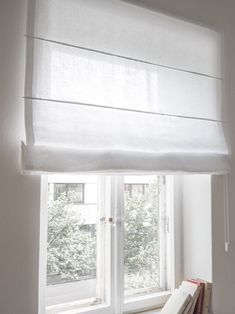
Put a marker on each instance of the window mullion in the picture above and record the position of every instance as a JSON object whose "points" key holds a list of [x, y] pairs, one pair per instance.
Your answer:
{"points": [[162, 232], [117, 186], [102, 239]]}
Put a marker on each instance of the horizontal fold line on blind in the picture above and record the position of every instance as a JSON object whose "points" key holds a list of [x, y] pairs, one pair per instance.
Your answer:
{"points": [[122, 109], [121, 56]]}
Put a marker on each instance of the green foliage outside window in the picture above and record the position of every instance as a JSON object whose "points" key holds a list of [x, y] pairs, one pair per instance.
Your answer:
{"points": [[72, 246], [141, 248]]}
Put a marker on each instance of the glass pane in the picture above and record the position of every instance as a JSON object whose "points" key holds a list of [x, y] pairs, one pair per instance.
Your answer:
{"points": [[143, 256], [59, 188], [76, 191], [72, 241]]}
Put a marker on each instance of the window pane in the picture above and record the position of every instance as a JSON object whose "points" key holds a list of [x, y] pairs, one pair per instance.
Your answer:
{"points": [[76, 191], [72, 241], [59, 188], [143, 208]]}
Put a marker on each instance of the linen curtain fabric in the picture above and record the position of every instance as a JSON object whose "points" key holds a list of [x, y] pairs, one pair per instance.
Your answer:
{"points": [[112, 88]]}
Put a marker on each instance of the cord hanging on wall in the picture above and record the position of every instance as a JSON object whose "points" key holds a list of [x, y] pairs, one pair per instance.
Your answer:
{"points": [[226, 215]]}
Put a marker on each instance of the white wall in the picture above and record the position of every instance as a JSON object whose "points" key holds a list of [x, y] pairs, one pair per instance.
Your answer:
{"points": [[196, 226], [19, 196]]}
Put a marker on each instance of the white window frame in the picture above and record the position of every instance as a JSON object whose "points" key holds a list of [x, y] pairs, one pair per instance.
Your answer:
{"points": [[113, 267], [103, 263]]}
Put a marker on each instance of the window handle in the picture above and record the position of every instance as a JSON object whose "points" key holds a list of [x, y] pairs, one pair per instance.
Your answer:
{"points": [[104, 220], [110, 220]]}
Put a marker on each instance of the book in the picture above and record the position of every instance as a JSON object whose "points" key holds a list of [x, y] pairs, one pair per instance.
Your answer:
{"points": [[191, 307], [192, 297], [194, 290], [199, 303], [177, 303], [203, 304], [206, 296]]}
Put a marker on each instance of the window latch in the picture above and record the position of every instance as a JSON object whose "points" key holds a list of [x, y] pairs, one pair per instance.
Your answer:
{"points": [[104, 220], [166, 223]]}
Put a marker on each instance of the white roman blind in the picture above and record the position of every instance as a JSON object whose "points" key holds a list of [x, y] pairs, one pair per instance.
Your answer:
{"points": [[111, 87]]}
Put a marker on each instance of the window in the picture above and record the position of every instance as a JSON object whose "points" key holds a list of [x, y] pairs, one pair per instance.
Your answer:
{"points": [[109, 245]]}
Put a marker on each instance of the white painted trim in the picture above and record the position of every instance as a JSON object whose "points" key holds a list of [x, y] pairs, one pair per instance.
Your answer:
{"points": [[69, 178], [170, 245], [111, 266], [154, 311], [102, 245], [96, 309], [163, 236], [117, 187], [147, 302], [177, 244], [108, 267], [42, 247]]}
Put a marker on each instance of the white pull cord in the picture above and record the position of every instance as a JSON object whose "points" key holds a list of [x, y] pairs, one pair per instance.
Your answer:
{"points": [[226, 215]]}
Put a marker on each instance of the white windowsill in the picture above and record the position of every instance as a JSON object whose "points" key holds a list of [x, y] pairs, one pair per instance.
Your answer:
{"points": [[157, 311]]}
